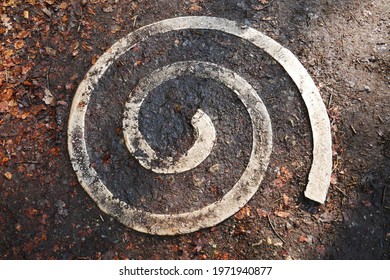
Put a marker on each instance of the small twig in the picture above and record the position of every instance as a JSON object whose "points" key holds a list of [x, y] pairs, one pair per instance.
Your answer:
{"points": [[342, 192], [326, 26], [27, 162], [353, 16], [134, 18], [274, 230], [47, 77], [383, 195], [257, 244], [381, 120], [353, 129], [335, 164], [330, 99]]}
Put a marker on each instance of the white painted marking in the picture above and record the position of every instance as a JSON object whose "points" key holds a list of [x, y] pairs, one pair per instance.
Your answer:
{"points": [[243, 190], [139, 147]]}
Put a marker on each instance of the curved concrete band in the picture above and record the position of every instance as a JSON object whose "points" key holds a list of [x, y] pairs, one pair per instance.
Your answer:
{"points": [[238, 196]]}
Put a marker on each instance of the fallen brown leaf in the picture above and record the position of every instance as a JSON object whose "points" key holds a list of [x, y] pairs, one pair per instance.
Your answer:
{"points": [[286, 199], [243, 213], [64, 5], [23, 34], [3, 106], [19, 44], [262, 213], [8, 175], [195, 8], [284, 176], [305, 239], [282, 214]]}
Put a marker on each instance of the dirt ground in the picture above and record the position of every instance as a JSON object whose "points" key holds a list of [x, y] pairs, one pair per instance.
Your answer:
{"points": [[47, 46]]}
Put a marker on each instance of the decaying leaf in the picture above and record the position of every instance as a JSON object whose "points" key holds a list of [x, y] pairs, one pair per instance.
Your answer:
{"points": [[195, 8], [64, 5], [284, 176], [94, 58], [48, 98], [3, 106], [6, 22], [19, 44], [282, 214], [306, 239], [243, 213], [23, 34], [286, 199], [86, 47], [262, 213], [8, 175], [35, 109], [108, 9]]}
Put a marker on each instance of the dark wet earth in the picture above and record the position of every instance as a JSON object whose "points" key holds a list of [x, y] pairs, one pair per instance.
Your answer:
{"points": [[46, 214]]}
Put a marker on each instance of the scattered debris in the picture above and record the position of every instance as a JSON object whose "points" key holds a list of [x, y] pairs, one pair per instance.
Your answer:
{"points": [[48, 98], [8, 175], [274, 230]]}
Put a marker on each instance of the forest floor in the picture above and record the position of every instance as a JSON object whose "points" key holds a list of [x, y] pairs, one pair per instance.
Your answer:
{"points": [[47, 46]]}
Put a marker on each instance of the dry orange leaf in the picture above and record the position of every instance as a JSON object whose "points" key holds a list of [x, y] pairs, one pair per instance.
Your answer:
{"points": [[55, 151], [26, 69], [86, 47], [64, 5], [23, 34], [3, 106], [8, 175], [37, 108], [304, 239], [8, 53], [19, 44], [286, 199], [282, 214], [195, 8], [94, 58], [262, 213], [243, 213]]}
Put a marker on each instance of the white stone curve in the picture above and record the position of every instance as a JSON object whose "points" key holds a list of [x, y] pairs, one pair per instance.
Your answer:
{"points": [[135, 141], [319, 177]]}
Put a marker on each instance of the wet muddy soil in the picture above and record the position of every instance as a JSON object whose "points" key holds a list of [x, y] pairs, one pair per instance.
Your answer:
{"points": [[48, 46]]}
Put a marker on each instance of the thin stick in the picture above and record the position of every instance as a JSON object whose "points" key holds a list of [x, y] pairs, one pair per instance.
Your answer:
{"points": [[47, 77], [340, 190], [28, 162], [134, 18], [330, 99], [274, 230], [353, 129]]}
